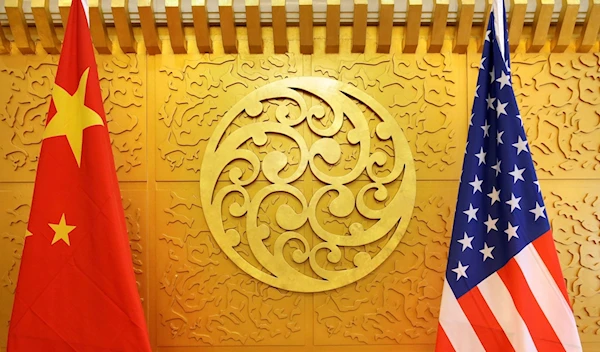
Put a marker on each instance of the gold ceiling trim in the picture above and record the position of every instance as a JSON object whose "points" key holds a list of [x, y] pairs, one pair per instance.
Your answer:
{"points": [[19, 33]]}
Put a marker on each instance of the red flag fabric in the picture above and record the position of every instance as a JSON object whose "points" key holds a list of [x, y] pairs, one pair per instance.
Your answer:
{"points": [[76, 289]]}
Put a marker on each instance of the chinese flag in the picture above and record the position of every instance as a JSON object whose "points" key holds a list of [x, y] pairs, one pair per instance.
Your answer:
{"points": [[76, 288]]}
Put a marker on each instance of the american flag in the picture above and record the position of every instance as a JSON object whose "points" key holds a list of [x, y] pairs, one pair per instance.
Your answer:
{"points": [[504, 288]]}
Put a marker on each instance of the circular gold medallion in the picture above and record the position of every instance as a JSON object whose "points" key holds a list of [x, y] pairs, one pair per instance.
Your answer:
{"points": [[307, 184]]}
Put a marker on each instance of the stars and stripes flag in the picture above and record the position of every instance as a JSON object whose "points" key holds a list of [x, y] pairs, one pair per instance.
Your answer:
{"points": [[504, 289]]}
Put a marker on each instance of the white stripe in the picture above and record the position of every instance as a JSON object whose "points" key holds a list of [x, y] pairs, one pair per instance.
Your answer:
{"points": [[503, 307], [549, 297], [456, 325]]}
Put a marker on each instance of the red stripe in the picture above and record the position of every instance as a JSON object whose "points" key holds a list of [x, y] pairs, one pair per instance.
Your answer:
{"points": [[491, 335], [544, 245], [443, 344], [541, 331]]}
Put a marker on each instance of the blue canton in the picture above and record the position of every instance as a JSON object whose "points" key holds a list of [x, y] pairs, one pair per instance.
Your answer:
{"points": [[500, 209]]}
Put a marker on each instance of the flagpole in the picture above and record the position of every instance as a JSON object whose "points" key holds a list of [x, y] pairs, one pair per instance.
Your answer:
{"points": [[86, 9], [498, 10]]}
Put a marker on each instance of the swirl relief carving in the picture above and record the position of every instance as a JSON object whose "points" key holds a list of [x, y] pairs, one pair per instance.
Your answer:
{"points": [[344, 117], [422, 93], [195, 94], [399, 302], [203, 297]]}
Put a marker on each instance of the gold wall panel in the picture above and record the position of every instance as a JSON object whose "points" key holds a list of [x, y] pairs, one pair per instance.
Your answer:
{"points": [[203, 297], [422, 91], [135, 204], [399, 302], [191, 95], [16, 199], [162, 111]]}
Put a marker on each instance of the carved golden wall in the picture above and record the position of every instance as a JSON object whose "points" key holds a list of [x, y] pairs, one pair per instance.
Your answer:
{"points": [[162, 111]]}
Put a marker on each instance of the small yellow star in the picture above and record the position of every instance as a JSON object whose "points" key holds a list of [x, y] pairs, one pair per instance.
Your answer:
{"points": [[62, 230], [27, 234], [72, 116]]}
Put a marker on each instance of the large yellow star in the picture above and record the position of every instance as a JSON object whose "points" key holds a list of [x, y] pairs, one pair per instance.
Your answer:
{"points": [[62, 230], [72, 116]]}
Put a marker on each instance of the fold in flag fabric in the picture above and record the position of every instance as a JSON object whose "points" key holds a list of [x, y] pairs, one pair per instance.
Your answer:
{"points": [[504, 289], [76, 289]]}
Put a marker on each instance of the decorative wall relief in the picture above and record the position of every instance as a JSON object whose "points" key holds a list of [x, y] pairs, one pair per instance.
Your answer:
{"points": [[559, 97], [24, 99], [136, 217], [203, 297], [389, 168], [423, 94], [14, 214], [574, 212], [192, 95], [399, 302], [123, 85]]}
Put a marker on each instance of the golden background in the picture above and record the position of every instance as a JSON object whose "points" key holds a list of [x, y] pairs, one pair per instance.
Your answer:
{"points": [[162, 110]]}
